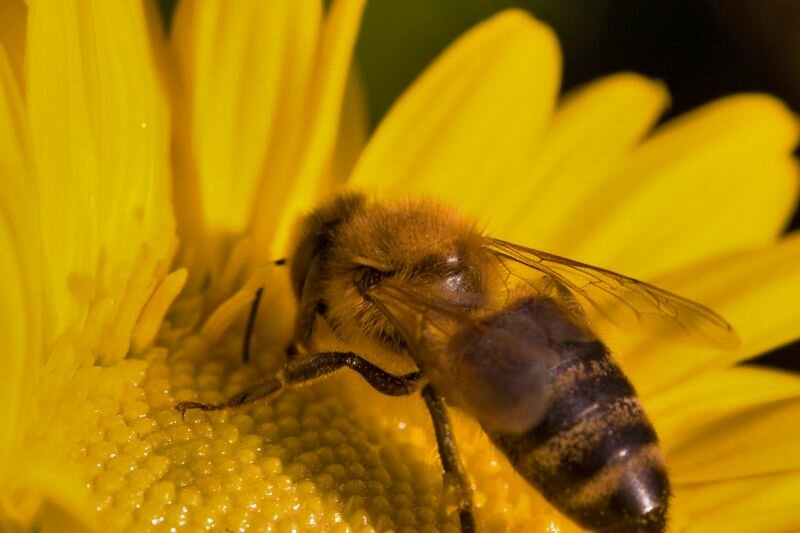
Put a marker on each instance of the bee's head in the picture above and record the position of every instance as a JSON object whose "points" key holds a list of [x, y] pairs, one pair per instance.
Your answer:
{"points": [[418, 244], [414, 246], [316, 236], [349, 247]]}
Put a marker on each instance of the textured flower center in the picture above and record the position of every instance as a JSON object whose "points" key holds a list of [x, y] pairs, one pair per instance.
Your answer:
{"points": [[299, 461], [335, 454]]}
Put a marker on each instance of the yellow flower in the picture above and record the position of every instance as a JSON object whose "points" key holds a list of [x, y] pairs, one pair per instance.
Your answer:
{"points": [[255, 101]]}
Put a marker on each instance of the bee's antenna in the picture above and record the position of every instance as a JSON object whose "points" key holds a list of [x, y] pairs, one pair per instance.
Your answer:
{"points": [[251, 320], [251, 324]]}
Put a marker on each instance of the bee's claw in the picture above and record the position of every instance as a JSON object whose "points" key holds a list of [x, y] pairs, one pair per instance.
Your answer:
{"points": [[185, 406]]}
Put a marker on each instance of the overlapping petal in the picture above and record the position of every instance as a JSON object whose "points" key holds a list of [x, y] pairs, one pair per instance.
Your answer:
{"points": [[736, 286], [353, 130], [261, 90], [695, 190], [293, 188], [731, 445], [699, 400], [34, 481], [468, 128], [593, 130], [15, 161], [100, 140], [13, 16], [243, 77], [22, 327], [760, 503]]}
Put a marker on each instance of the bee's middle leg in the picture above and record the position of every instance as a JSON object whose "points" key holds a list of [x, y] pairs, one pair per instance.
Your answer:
{"points": [[451, 462]]}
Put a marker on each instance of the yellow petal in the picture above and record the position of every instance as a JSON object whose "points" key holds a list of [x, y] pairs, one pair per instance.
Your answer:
{"points": [[756, 292], [244, 73], [100, 133], [695, 402], [716, 180], [467, 130], [353, 130], [153, 313], [734, 445], [25, 478], [13, 18], [592, 131], [765, 504], [21, 327], [292, 187], [48, 497], [14, 131]]}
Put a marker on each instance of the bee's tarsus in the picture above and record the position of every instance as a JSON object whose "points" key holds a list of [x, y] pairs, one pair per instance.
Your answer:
{"points": [[185, 406]]}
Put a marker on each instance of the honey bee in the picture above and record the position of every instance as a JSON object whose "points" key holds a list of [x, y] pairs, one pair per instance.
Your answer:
{"points": [[501, 332]]}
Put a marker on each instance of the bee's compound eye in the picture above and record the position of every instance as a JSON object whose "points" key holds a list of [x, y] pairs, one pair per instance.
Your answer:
{"points": [[367, 277]]}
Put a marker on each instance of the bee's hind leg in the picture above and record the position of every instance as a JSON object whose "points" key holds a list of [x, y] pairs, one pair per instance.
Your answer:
{"points": [[451, 462]]}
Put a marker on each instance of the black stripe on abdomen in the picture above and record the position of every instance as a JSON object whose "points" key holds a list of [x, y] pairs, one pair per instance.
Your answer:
{"points": [[594, 437]]}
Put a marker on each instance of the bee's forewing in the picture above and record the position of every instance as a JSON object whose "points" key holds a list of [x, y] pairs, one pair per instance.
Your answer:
{"points": [[624, 302]]}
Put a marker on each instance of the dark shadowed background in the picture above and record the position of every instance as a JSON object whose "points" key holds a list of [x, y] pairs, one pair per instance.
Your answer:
{"points": [[702, 49]]}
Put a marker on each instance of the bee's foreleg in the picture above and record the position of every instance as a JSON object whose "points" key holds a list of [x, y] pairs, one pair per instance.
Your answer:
{"points": [[268, 389], [302, 371], [451, 462], [321, 364]]}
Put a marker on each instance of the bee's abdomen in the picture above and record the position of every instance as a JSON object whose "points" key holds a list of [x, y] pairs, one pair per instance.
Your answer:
{"points": [[595, 455]]}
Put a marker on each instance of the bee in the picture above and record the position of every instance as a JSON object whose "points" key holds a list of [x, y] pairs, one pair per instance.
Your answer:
{"points": [[499, 331]]}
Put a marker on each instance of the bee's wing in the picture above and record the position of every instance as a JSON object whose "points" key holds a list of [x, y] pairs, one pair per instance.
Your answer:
{"points": [[495, 369], [622, 301], [413, 312]]}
